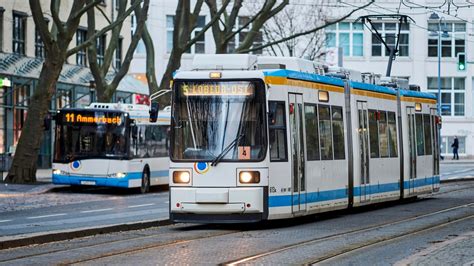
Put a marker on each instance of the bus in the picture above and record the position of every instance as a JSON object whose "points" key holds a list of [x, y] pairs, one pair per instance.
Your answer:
{"points": [[257, 138], [111, 145]]}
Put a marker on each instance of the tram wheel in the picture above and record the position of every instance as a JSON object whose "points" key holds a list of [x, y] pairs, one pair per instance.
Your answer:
{"points": [[145, 181]]}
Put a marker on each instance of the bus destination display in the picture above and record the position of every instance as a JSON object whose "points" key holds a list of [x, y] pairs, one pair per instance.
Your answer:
{"points": [[92, 118]]}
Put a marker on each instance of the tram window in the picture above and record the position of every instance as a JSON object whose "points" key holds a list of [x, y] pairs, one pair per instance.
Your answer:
{"points": [[427, 131], [392, 134], [420, 144], [277, 128], [383, 134], [373, 134], [311, 127], [325, 132], [338, 132]]}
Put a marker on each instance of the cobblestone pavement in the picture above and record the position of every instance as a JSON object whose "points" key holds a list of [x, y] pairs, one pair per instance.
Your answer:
{"points": [[175, 244]]}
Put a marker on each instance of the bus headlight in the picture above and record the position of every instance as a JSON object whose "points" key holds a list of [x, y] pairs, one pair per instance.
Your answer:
{"points": [[181, 177], [246, 177], [58, 172], [119, 175]]}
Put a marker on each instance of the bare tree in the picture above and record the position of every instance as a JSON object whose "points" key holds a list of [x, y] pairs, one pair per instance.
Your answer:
{"points": [[228, 27], [104, 88], [56, 42], [298, 17], [185, 21], [322, 25]]}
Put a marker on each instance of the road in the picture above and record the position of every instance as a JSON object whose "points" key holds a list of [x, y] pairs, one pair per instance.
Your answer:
{"points": [[66, 209], [432, 230]]}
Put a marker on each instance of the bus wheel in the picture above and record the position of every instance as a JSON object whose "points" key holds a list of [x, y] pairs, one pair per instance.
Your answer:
{"points": [[145, 181]]}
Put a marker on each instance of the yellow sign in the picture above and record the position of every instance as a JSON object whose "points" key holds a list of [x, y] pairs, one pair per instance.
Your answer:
{"points": [[78, 118], [218, 89]]}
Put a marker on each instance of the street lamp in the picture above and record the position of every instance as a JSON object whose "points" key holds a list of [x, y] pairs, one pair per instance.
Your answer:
{"points": [[435, 16]]}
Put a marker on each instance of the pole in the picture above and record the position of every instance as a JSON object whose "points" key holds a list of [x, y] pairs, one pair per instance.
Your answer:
{"points": [[439, 86]]}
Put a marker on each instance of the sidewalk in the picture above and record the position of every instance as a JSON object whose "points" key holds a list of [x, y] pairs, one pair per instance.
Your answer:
{"points": [[449, 160], [43, 184]]}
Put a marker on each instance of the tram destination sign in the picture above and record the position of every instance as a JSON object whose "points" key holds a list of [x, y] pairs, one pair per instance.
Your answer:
{"points": [[228, 88], [92, 118]]}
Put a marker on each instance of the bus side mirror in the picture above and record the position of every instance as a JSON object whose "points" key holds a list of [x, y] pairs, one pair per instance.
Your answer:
{"points": [[154, 111]]}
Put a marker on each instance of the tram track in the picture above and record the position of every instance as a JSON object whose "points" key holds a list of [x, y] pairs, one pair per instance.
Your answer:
{"points": [[286, 248], [130, 250]]}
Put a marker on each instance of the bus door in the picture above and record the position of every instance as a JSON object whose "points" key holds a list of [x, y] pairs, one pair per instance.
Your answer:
{"points": [[363, 132], [435, 148], [297, 153], [411, 149]]}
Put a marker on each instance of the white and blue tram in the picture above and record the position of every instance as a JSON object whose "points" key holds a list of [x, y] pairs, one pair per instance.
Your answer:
{"points": [[255, 138], [111, 144]]}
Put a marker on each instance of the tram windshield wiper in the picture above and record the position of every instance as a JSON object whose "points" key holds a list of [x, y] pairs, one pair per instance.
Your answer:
{"points": [[226, 150]]}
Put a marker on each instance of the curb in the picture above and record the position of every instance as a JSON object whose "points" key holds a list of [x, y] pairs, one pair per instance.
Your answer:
{"points": [[42, 238], [465, 179]]}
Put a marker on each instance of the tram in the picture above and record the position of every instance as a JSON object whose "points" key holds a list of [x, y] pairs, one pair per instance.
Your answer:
{"points": [[111, 144], [256, 138]]}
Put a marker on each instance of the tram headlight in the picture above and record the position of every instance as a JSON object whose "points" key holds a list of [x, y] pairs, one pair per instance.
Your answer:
{"points": [[247, 177], [181, 177]]}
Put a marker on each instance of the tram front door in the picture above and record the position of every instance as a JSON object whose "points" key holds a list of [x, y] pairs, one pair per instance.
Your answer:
{"points": [[297, 153]]}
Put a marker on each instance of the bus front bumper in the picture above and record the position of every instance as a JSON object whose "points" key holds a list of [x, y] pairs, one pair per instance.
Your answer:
{"points": [[78, 180]]}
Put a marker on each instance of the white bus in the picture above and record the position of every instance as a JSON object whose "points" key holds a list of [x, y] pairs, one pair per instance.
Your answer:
{"points": [[111, 144]]}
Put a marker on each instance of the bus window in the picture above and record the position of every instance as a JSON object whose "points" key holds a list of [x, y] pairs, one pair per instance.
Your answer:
{"points": [[338, 132], [383, 134], [427, 131], [420, 144], [373, 134], [312, 139], [392, 134], [325, 132], [277, 128]]}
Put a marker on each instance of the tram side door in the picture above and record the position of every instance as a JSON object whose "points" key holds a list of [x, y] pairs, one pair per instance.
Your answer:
{"points": [[363, 132], [411, 149], [297, 153]]}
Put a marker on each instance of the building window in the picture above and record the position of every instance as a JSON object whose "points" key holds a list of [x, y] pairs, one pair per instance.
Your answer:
{"points": [[63, 98], [39, 45], [235, 42], [21, 99], [452, 95], [389, 32], [349, 36], [81, 56], [452, 44], [19, 28], [198, 48], [118, 54], [100, 50]]}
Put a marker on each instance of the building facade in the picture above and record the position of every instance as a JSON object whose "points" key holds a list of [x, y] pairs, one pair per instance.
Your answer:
{"points": [[417, 58], [21, 60]]}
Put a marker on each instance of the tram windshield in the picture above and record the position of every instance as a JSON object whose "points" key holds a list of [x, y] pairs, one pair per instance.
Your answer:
{"points": [[82, 134], [218, 121]]}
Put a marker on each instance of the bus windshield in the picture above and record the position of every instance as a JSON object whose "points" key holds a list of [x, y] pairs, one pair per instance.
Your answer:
{"points": [[218, 121], [88, 134]]}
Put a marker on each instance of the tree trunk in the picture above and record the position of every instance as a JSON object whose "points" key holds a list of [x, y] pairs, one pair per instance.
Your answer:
{"points": [[173, 63], [150, 62], [23, 169]]}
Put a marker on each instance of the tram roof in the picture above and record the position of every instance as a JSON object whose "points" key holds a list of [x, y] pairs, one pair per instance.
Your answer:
{"points": [[291, 74]]}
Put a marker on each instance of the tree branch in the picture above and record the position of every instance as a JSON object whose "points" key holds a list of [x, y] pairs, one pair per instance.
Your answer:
{"points": [[305, 32], [38, 17], [119, 20], [82, 11], [54, 6]]}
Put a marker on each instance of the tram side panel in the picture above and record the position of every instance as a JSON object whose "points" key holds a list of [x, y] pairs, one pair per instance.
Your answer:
{"points": [[375, 146], [419, 176]]}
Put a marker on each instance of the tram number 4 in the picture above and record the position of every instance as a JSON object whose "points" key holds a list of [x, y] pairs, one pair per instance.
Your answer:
{"points": [[244, 152]]}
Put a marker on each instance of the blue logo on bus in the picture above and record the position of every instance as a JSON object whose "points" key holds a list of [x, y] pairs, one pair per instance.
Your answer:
{"points": [[76, 165]]}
